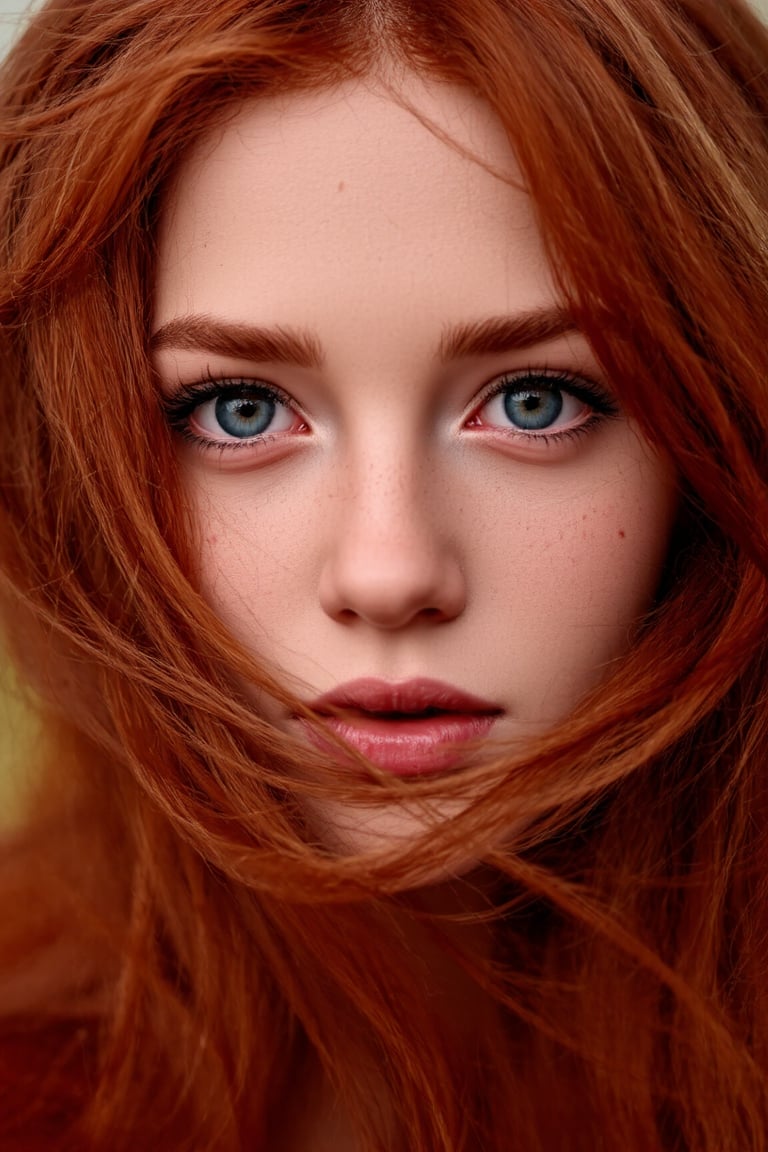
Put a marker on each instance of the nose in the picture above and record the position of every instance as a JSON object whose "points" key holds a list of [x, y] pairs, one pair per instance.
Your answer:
{"points": [[391, 561]]}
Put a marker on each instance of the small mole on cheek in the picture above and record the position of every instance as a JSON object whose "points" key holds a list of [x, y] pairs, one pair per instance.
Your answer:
{"points": [[622, 533]]}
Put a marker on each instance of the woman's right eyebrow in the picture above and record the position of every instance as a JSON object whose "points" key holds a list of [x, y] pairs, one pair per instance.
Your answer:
{"points": [[282, 344]]}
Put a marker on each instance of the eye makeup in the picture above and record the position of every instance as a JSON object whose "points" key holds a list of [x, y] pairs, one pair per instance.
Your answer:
{"points": [[533, 404]]}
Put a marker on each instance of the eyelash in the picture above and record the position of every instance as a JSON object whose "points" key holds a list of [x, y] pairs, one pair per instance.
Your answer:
{"points": [[581, 387], [187, 398]]}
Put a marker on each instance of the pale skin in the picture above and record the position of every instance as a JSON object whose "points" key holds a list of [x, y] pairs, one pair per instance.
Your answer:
{"points": [[392, 519]]}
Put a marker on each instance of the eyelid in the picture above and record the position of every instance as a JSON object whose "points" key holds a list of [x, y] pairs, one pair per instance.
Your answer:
{"points": [[582, 386], [186, 398], [211, 385]]}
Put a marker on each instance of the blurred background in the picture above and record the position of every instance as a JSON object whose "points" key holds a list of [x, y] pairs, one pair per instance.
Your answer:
{"points": [[11, 15], [17, 727]]}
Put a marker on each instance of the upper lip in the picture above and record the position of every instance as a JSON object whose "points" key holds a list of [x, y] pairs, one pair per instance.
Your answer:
{"points": [[402, 697]]}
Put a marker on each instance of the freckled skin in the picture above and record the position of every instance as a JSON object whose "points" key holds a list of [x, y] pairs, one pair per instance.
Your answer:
{"points": [[385, 536]]}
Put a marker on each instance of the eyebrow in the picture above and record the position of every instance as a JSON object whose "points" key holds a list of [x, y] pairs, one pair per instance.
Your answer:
{"points": [[284, 345], [277, 345], [506, 333]]}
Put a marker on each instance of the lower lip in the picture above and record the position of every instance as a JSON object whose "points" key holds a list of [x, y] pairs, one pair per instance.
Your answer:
{"points": [[407, 747]]}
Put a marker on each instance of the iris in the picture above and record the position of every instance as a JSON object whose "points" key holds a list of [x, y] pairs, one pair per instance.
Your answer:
{"points": [[533, 409], [244, 415]]}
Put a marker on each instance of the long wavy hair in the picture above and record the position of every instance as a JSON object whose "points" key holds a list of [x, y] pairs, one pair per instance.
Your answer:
{"points": [[177, 949]]}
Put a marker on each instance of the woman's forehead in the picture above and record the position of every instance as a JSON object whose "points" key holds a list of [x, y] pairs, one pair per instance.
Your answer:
{"points": [[344, 202]]}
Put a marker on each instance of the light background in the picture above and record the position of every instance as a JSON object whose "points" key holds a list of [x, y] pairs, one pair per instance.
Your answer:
{"points": [[12, 15]]}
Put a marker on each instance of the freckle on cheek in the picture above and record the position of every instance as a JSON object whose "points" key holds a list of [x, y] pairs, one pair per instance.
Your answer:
{"points": [[622, 533]]}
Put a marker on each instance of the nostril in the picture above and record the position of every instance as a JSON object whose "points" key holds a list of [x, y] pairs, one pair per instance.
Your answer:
{"points": [[390, 588]]}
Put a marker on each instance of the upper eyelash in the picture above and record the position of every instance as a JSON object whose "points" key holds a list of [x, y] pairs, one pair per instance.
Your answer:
{"points": [[582, 387], [187, 397]]}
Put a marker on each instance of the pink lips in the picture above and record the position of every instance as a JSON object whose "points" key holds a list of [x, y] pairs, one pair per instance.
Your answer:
{"points": [[408, 728]]}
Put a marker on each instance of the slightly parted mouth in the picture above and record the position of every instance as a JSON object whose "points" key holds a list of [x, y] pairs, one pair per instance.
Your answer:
{"points": [[408, 728], [416, 698]]}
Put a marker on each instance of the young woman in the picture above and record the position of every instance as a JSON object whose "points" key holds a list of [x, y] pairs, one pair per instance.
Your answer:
{"points": [[384, 544]]}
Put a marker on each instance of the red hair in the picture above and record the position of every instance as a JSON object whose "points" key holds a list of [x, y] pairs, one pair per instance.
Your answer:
{"points": [[176, 950]]}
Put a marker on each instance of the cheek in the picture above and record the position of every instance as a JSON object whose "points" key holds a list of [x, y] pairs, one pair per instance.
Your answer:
{"points": [[578, 575], [255, 557], [609, 554]]}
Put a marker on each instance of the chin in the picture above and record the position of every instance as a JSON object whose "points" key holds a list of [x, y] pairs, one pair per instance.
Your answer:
{"points": [[388, 830]]}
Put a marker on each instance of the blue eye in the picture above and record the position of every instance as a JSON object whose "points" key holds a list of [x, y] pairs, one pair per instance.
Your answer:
{"points": [[544, 406], [533, 409], [230, 413], [244, 415]]}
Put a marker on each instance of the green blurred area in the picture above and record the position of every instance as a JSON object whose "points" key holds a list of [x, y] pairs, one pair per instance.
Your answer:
{"points": [[18, 732]]}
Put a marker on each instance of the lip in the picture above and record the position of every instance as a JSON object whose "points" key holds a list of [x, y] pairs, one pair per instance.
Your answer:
{"points": [[408, 728]]}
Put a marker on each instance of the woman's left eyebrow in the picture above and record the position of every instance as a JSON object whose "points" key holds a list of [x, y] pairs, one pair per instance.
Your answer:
{"points": [[506, 333], [284, 345]]}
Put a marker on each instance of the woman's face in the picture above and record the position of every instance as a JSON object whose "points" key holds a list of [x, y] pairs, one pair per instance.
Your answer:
{"points": [[406, 465]]}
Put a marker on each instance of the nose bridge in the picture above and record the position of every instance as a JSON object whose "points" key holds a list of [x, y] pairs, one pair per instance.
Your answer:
{"points": [[387, 488], [390, 557]]}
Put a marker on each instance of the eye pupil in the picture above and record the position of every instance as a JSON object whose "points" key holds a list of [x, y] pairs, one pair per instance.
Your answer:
{"points": [[533, 409], [244, 415]]}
